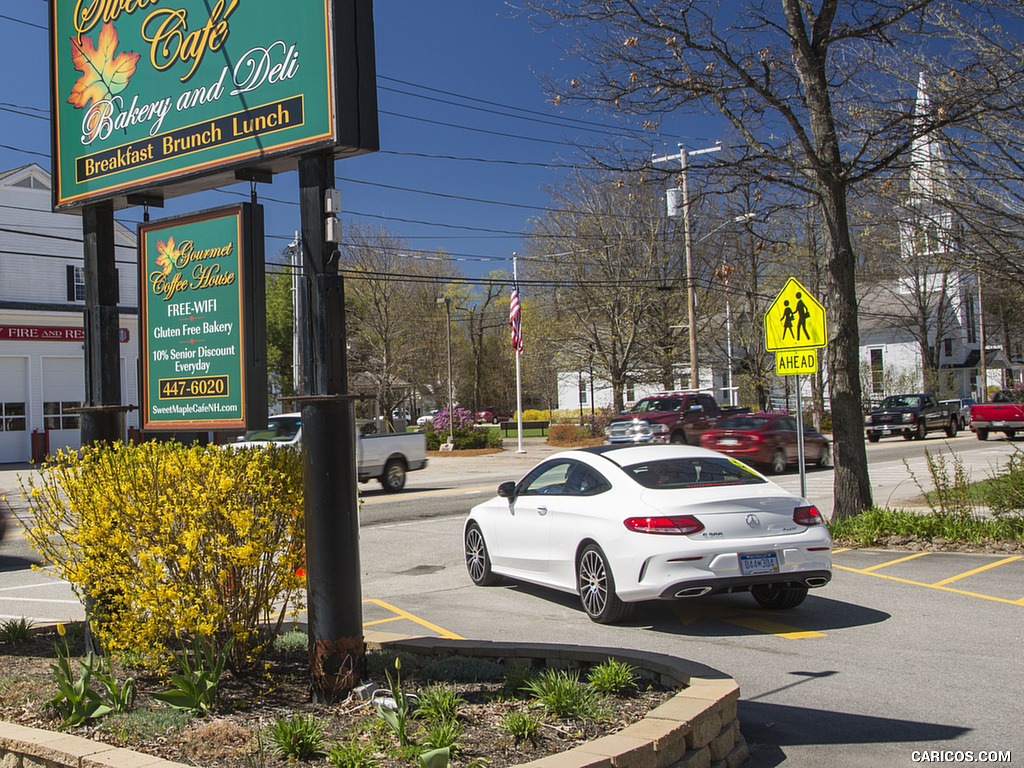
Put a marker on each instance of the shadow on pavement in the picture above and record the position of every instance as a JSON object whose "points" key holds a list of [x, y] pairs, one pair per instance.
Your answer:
{"points": [[768, 728], [723, 615], [9, 564]]}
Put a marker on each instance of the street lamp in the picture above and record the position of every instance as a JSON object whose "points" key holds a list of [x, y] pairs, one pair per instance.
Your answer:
{"points": [[451, 395]]}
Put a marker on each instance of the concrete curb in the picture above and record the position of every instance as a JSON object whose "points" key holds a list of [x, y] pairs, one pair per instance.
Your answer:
{"points": [[696, 728]]}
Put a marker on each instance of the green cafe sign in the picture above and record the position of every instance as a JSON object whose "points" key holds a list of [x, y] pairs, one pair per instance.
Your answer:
{"points": [[200, 366], [164, 97]]}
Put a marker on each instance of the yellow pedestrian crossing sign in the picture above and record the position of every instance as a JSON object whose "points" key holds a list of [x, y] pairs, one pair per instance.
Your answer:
{"points": [[795, 320]]}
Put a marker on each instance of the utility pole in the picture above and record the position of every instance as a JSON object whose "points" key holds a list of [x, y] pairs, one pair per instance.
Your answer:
{"points": [[691, 295], [451, 389]]}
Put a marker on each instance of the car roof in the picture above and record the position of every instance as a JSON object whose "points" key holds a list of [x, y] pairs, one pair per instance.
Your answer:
{"points": [[627, 455]]}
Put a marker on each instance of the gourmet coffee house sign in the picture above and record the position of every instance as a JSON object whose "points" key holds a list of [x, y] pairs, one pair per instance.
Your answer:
{"points": [[157, 98], [201, 281], [150, 96]]}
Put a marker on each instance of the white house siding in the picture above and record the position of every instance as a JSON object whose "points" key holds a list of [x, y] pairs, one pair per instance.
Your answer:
{"points": [[37, 248]]}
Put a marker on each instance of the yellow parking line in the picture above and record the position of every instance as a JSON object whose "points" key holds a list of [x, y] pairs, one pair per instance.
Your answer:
{"points": [[893, 562], [406, 615], [976, 570], [930, 586], [382, 621], [837, 551], [774, 628]]}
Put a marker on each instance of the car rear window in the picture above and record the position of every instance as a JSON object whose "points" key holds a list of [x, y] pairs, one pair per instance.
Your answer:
{"points": [[654, 404], [695, 472], [743, 422]]}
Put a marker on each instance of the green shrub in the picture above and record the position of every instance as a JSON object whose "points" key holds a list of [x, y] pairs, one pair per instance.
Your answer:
{"points": [[521, 726], [163, 539], [293, 640], [16, 631], [516, 676], [612, 677], [439, 702], [560, 693], [443, 733], [351, 754], [297, 737]]}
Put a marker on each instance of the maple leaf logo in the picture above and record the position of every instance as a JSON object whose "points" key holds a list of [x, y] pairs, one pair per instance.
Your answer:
{"points": [[104, 73], [167, 254]]}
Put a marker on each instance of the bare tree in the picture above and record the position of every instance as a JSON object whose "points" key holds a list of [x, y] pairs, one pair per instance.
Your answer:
{"points": [[820, 95], [607, 259], [391, 301]]}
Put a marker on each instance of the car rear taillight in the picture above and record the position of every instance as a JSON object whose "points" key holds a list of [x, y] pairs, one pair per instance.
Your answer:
{"points": [[678, 525], [807, 516]]}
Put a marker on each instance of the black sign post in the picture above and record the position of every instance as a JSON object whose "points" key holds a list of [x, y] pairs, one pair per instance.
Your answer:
{"points": [[329, 480]]}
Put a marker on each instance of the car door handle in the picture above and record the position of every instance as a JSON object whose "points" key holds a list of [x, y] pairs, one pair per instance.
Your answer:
{"points": [[542, 510]]}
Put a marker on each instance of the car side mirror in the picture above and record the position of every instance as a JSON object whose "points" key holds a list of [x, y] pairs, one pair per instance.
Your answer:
{"points": [[507, 490]]}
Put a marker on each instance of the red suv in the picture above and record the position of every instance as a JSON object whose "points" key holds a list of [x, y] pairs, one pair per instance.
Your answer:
{"points": [[492, 414]]}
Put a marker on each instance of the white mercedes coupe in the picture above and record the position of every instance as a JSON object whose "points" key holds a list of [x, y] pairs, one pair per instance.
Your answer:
{"points": [[621, 524]]}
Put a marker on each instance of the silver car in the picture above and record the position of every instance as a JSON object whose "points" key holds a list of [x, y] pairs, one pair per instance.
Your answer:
{"points": [[963, 406]]}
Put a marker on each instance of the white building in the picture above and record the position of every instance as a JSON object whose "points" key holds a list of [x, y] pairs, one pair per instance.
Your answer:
{"points": [[42, 364], [928, 286]]}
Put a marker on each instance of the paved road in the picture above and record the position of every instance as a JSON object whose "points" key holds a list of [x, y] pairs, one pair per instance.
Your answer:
{"points": [[902, 652]]}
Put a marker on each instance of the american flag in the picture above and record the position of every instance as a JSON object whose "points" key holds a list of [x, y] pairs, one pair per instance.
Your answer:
{"points": [[515, 320]]}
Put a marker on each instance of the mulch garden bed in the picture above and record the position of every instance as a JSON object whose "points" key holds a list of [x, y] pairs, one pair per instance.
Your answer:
{"points": [[247, 706]]}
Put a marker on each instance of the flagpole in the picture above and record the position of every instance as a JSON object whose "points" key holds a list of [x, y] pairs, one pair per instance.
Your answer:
{"points": [[519, 370]]}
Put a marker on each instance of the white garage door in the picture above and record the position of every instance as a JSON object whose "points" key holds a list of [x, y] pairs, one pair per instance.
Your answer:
{"points": [[63, 392], [14, 436]]}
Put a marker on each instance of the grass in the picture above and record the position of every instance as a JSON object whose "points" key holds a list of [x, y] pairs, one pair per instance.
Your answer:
{"points": [[875, 527]]}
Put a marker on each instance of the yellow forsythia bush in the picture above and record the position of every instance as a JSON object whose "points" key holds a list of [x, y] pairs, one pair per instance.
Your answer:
{"points": [[162, 540], [532, 414]]}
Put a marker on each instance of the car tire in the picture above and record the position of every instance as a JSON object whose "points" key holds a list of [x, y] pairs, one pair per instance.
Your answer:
{"points": [[778, 462], [596, 587], [778, 597], [825, 457], [678, 438], [1010, 434], [874, 438], [393, 477], [494, 420], [908, 435], [922, 431], [478, 561], [982, 434], [951, 430]]}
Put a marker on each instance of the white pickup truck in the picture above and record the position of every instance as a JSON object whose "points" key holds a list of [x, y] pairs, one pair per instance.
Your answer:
{"points": [[386, 457]]}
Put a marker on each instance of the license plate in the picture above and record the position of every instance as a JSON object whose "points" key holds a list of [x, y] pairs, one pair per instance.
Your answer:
{"points": [[998, 423], [759, 562], [730, 441]]}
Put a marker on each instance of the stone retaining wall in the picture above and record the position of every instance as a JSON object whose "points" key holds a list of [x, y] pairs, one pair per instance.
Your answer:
{"points": [[696, 728]]}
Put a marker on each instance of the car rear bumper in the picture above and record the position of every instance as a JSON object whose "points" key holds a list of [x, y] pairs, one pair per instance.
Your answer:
{"points": [[997, 425], [698, 588], [664, 575]]}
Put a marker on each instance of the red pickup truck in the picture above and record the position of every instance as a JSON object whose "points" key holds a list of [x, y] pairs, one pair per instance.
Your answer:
{"points": [[668, 417], [1004, 414]]}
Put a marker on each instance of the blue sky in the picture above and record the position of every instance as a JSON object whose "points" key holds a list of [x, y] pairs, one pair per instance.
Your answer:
{"points": [[430, 57]]}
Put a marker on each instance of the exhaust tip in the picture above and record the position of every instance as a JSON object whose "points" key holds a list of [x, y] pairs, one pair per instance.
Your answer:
{"points": [[816, 581], [693, 591]]}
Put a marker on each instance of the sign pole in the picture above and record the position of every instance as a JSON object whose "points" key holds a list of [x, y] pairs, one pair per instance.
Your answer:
{"points": [[337, 651], [800, 439]]}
